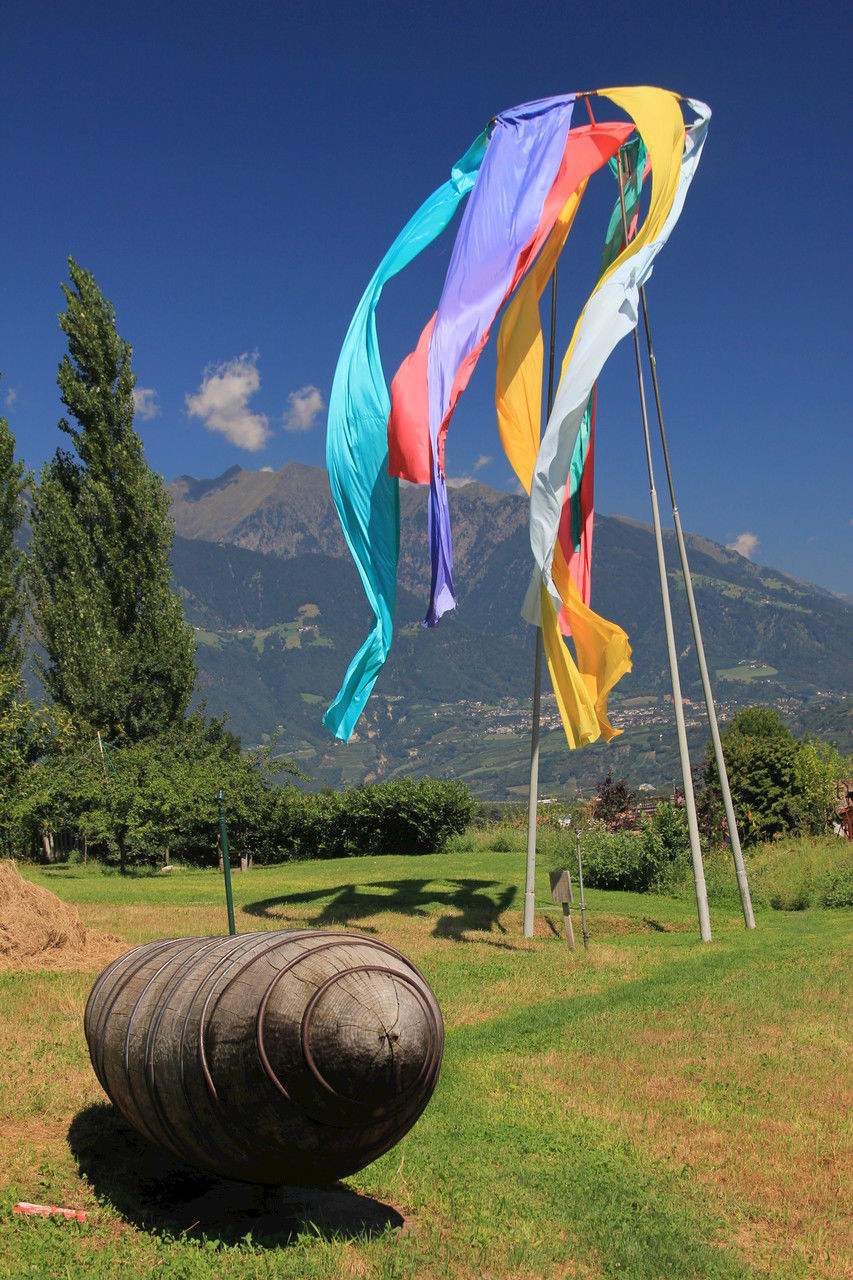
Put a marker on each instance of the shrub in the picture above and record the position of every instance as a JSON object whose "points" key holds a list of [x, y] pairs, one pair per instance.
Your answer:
{"points": [[835, 886], [614, 859], [666, 845], [778, 783], [403, 816], [504, 842], [787, 875], [655, 859]]}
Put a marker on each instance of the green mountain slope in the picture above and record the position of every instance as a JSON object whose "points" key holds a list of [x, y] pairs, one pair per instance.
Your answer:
{"points": [[279, 611]]}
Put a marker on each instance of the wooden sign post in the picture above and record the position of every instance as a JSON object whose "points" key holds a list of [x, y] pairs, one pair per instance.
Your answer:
{"points": [[561, 892]]}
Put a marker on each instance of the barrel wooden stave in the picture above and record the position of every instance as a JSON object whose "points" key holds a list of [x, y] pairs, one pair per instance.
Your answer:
{"points": [[287, 1056]]}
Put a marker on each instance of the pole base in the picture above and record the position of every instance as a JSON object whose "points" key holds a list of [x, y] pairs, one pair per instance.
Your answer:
{"points": [[529, 898]]}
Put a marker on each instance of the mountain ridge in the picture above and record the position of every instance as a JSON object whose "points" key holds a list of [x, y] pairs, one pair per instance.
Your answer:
{"points": [[256, 495], [279, 611]]}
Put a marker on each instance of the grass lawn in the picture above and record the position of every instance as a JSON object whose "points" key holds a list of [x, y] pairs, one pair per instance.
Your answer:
{"points": [[746, 673], [653, 1108]]}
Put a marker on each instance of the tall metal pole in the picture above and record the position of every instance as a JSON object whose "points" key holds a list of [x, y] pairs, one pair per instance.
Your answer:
{"points": [[687, 780], [740, 869], [533, 793]]}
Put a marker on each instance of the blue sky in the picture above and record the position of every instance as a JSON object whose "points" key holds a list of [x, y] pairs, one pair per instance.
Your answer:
{"points": [[232, 175]]}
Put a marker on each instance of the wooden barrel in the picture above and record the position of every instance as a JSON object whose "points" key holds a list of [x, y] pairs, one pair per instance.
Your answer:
{"points": [[287, 1056]]}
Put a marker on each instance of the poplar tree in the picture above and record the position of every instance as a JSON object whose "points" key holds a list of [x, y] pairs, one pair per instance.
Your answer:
{"points": [[118, 655], [13, 480]]}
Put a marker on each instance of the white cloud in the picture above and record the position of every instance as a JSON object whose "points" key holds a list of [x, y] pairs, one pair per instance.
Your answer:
{"points": [[457, 482], [303, 409], [11, 397], [222, 402], [265, 468], [483, 461], [744, 544], [145, 402]]}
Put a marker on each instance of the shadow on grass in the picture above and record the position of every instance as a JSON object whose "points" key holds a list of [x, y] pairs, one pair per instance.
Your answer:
{"points": [[472, 906], [152, 1190]]}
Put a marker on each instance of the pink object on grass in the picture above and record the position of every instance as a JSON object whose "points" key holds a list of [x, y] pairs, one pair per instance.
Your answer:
{"points": [[50, 1211]]}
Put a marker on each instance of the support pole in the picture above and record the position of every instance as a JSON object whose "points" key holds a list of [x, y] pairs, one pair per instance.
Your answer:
{"points": [[740, 868], [687, 780], [584, 929], [533, 792], [226, 863]]}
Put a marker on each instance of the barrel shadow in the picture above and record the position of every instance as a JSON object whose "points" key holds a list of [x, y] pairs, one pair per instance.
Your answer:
{"points": [[155, 1192]]}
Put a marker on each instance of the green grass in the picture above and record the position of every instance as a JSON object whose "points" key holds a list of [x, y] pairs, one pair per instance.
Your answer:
{"points": [[282, 630], [746, 673], [210, 638], [789, 874], [651, 1108]]}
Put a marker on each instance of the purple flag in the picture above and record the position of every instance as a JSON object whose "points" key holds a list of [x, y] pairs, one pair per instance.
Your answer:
{"points": [[501, 220]]}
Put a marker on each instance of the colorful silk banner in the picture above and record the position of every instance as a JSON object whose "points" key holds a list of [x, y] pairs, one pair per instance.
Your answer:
{"points": [[610, 313], [518, 195], [366, 496], [577, 519], [528, 174], [603, 650]]}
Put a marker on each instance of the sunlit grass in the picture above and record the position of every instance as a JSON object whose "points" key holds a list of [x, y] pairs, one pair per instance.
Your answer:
{"points": [[653, 1107]]}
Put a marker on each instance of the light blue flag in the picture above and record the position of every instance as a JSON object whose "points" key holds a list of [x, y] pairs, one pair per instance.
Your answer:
{"points": [[366, 496]]}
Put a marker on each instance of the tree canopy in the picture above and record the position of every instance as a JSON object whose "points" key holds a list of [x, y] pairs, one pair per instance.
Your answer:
{"points": [[13, 479], [778, 782], [118, 655]]}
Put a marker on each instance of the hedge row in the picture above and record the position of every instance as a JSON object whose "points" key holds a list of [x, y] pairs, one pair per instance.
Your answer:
{"points": [[388, 817], [655, 859]]}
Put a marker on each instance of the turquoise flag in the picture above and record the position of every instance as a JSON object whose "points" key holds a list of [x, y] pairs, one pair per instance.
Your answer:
{"points": [[366, 497]]}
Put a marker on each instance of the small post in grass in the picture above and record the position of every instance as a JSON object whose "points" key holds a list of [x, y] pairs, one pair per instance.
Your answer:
{"points": [[580, 885], [561, 892], [226, 862]]}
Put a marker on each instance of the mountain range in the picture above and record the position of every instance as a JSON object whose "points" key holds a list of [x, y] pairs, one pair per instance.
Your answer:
{"points": [[278, 608]]}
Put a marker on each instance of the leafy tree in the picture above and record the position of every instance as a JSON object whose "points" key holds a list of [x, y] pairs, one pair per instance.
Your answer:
{"points": [[13, 479], [760, 755], [28, 736], [778, 783], [818, 766], [614, 799], [119, 656]]}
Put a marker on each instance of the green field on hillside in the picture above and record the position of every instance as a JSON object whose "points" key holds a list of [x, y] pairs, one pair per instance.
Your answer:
{"points": [[653, 1107], [747, 671]]}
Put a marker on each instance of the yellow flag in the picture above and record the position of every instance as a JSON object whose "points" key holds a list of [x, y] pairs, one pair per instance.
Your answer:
{"points": [[604, 654]]}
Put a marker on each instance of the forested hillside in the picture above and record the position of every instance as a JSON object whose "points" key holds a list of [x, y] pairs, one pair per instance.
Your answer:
{"points": [[279, 611]]}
